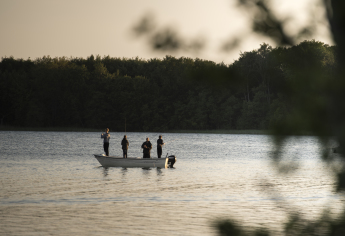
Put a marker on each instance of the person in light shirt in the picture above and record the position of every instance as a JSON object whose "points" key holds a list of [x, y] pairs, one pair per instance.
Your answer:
{"points": [[106, 136]]}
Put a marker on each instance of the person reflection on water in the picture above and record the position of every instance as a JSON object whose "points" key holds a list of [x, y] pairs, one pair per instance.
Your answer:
{"points": [[125, 145], [106, 136], [147, 146]]}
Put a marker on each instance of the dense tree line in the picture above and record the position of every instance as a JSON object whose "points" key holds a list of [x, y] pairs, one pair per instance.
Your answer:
{"points": [[157, 94]]}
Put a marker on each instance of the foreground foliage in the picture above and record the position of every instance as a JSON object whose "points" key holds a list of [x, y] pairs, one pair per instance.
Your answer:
{"points": [[315, 100]]}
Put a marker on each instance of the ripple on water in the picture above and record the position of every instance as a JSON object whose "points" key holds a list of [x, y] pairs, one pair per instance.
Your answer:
{"points": [[52, 184]]}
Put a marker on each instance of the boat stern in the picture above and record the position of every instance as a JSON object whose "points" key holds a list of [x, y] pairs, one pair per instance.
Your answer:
{"points": [[170, 161]]}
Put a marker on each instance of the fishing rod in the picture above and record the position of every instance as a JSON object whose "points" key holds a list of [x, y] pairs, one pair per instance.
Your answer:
{"points": [[171, 141], [158, 134]]}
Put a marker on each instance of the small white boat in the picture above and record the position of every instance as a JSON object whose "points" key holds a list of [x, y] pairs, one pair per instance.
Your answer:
{"points": [[113, 161]]}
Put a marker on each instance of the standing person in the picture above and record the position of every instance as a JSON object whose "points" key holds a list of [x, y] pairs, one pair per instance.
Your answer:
{"points": [[106, 136], [160, 144], [147, 146], [125, 145]]}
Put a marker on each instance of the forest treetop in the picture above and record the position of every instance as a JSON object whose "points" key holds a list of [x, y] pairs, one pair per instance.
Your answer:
{"points": [[160, 94]]}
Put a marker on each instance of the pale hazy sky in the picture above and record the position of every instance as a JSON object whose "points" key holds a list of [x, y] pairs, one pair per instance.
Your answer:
{"points": [[79, 28]]}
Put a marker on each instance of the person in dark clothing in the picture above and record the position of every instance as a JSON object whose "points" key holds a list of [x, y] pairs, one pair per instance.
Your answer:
{"points": [[147, 146], [160, 144], [125, 145], [106, 136]]}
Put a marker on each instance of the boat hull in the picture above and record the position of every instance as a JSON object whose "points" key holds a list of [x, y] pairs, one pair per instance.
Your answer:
{"points": [[112, 161]]}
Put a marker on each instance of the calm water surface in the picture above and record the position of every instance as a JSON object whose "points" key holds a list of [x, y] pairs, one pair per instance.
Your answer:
{"points": [[52, 185]]}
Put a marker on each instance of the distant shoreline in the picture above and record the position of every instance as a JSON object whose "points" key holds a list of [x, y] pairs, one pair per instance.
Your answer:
{"points": [[71, 129]]}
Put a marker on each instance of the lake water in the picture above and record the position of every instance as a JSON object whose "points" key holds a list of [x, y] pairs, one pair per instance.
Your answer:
{"points": [[52, 185]]}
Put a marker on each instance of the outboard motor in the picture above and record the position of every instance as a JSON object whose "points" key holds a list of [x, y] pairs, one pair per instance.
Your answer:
{"points": [[171, 160]]}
